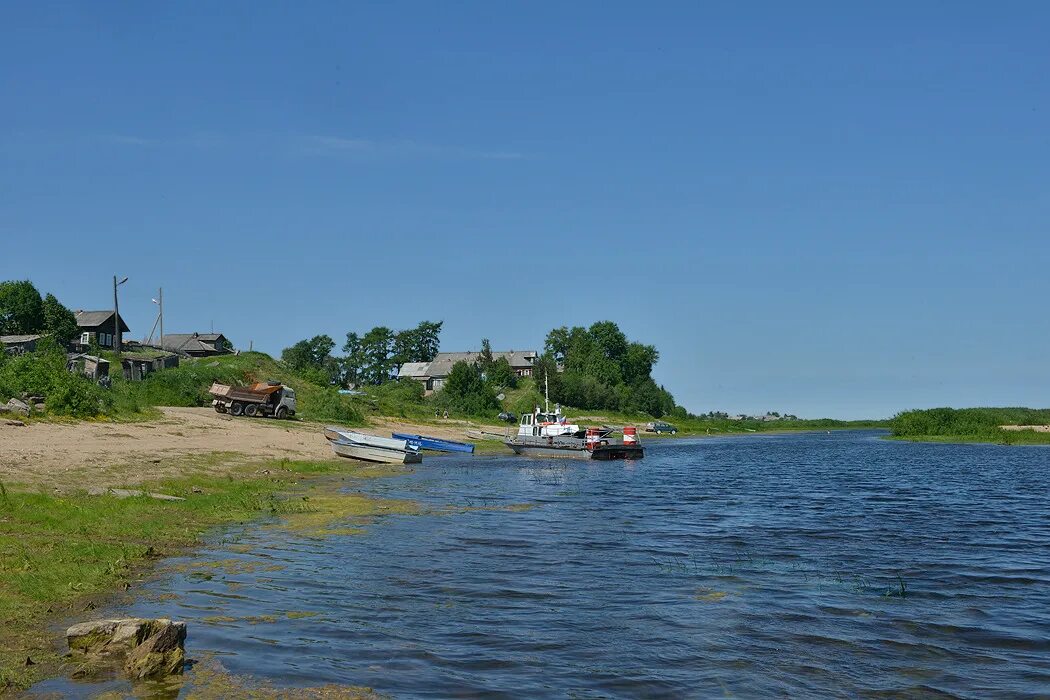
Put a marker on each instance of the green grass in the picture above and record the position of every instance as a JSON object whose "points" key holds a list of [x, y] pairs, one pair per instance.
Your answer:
{"points": [[1002, 437], [187, 385], [59, 551], [971, 425]]}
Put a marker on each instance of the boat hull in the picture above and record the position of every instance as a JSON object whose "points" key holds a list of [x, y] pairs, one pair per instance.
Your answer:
{"points": [[570, 448], [548, 451], [615, 451], [369, 453], [432, 443]]}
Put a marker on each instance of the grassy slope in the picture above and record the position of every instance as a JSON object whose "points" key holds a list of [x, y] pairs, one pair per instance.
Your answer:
{"points": [[187, 385], [57, 551], [971, 425]]}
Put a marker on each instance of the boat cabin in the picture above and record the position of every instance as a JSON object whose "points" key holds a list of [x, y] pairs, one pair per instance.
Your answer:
{"points": [[546, 424]]}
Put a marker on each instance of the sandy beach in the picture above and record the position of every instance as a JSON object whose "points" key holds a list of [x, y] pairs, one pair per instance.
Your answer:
{"points": [[98, 454]]}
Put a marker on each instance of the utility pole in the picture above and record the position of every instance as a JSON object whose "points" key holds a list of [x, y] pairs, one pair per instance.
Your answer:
{"points": [[116, 315], [160, 303]]}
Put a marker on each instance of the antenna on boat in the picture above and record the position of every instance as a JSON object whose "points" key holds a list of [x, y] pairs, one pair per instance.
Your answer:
{"points": [[546, 394]]}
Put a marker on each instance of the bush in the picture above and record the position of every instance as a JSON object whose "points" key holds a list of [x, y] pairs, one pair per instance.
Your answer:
{"points": [[974, 422], [466, 392], [76, 395], [328, 404], [35, 373]]}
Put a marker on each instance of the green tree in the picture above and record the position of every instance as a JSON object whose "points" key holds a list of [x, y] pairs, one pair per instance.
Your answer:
{"points": [[557, 342], [21, 308], [377, 360], [353, 361], [500, 375], [313, 359], [427, 341], [59, 322], [466, 391], [609, 340], [638, 362], [602, 369], [485, 359]]}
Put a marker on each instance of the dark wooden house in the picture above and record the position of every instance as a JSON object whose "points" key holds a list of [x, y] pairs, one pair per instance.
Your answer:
{"points": [[137, 366], [97, 326], [197, 344]]}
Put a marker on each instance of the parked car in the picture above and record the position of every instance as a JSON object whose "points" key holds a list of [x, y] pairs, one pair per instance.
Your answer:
{"points": [[508, 417], [660, 427]]}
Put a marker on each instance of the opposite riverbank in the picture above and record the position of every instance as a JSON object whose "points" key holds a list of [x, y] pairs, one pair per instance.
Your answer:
{"points": [[1002, 426]]}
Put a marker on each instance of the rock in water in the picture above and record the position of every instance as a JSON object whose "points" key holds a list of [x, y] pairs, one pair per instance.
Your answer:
{"points": [[149, 648], [162, 653]]}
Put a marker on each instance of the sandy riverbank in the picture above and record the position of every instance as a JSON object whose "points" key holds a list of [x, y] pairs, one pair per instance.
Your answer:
{"points": [[110, 454]]}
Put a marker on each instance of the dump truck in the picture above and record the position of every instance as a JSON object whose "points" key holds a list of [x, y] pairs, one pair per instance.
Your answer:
{"points": [[260, 399]]}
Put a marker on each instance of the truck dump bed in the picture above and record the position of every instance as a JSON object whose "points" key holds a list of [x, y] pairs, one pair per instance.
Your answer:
{"points": [[256, 393]]}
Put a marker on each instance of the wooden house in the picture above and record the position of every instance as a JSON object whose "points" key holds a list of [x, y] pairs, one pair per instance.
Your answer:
{"points": [[97, 326]]}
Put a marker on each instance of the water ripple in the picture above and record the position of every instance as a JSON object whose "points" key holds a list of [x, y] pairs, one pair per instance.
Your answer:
{"points": [[770, 566]]}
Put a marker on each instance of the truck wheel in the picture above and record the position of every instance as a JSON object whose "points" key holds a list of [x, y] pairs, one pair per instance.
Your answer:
{"points": [[282, 413], [237, 408], [251, 410], [220, 408]]}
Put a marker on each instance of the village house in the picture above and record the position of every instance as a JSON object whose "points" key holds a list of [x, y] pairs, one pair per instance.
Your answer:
{"points": [[137, 366], [97, 326], [19, 344], [91, 366], [434, 373], [197, 344]]}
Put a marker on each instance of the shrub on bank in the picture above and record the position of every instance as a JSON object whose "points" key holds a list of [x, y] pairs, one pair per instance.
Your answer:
{"points": [[972, 422]]}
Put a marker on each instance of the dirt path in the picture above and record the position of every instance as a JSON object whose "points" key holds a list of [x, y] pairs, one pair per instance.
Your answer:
{"points": [[89, 454]]}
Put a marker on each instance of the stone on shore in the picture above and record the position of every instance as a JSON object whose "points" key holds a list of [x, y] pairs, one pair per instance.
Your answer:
{"points": [[148, 648], [17, 406]]}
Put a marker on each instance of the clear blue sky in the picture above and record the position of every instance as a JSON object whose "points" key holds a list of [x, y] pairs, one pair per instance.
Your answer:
{"points": [[806, 207]]}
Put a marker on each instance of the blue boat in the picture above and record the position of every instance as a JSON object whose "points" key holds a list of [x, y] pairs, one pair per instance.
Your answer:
{"points": [[432, 443]]}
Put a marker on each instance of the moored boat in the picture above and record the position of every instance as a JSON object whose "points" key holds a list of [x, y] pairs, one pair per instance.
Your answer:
{"points": [[550, 434], [432, 443], [371, 448]]}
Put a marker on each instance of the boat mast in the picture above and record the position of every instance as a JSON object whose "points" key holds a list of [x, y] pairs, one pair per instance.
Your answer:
{"points": [[546, 394]]}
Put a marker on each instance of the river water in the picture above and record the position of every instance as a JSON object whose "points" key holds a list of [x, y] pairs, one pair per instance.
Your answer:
{"points": [[814, 565]]}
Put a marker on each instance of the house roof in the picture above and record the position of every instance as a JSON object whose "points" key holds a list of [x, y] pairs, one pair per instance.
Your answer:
{"points": [[93, 319], [443, 361], [84, 356], [192, 342], [413, 370], [15, 339]]}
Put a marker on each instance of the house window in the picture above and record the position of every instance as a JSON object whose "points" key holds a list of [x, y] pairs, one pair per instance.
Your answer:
{"points": [[85, 338]]}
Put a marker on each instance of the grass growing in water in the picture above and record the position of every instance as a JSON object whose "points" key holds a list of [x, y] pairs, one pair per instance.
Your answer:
{"points": [[57, 552]]}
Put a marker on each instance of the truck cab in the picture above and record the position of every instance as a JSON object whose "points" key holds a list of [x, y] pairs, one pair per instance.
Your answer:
{"points": [[287, 401]]}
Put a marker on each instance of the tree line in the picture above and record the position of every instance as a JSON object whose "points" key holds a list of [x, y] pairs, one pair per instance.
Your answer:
{"points": [[367, 360], [590, 368], [24, 312], [598, 368]]}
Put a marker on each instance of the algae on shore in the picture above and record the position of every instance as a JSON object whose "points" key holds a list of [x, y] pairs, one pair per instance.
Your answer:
{"points": [[63, 552]]}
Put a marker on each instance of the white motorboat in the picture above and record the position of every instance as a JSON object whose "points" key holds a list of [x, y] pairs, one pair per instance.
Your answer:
{"points": [[371, 448]]}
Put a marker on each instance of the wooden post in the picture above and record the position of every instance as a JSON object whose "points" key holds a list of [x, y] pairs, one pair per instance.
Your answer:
{"points": [[116, 319], [160, 302]]}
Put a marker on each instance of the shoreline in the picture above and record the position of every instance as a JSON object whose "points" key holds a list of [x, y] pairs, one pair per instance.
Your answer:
{"points": [[69, 552], [79, 547]]}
